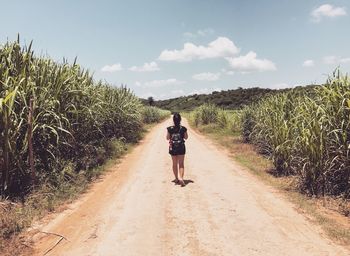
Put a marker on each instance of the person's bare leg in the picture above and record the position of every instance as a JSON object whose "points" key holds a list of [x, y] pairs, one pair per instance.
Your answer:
{"points": [[175, 168], [181, 159]]}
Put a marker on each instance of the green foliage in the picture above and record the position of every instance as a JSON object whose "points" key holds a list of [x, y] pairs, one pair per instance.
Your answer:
{"points": [[152, 114], [248, 123], [222, 119], [230, 99], [150, 101], [74, 118], [234, 121], [272, 132], [306, 134], [206, 114]]}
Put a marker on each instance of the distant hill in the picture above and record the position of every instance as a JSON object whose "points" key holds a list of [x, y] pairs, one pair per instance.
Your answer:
{"points": [[230, 99]]}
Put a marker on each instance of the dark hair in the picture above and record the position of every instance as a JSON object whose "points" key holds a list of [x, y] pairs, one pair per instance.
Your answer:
{"points": [[177, 119]]}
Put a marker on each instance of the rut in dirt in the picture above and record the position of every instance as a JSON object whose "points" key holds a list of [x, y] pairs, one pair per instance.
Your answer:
{"points": [[223, 210]]}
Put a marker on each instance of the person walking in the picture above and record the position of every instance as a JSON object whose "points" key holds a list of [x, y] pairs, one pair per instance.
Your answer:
{"points": [[176, 135]]}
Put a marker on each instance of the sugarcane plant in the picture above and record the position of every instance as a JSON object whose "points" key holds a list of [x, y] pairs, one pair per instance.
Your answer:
{"points": [[306, 134], [55, 113]]}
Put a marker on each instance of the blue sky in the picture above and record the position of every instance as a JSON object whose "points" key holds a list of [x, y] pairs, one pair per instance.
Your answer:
{"points": [[169, 48]]}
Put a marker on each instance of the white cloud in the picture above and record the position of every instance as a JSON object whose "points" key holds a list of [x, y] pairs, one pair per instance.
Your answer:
{"points": [[221, 47], [249, 63], [147, 67], [331, 60], [308, 63], [199, 33], [159, 83], [227, 72], [207, 76], [112, 68], [327, 10], [345, 60]]}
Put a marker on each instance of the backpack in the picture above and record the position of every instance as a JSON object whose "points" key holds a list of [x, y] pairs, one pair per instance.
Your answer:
{"points": [[176, 140]]}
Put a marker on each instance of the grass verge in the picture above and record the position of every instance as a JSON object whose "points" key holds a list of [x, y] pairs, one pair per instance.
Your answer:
{"points": [[330, 213]]}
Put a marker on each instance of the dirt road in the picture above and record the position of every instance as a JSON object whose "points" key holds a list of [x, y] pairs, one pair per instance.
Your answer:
{"points": [[223, 210]]}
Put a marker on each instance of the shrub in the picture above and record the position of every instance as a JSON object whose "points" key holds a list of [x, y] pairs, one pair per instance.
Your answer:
{"points": [[222, 119], [152, 114]]}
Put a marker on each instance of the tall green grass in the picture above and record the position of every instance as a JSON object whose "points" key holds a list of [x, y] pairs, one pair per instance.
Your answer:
{"points": [[151, 114], [307, 135], [74, 119], [207, 114]]}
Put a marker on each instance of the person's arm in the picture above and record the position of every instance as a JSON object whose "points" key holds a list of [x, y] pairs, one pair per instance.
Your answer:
{"points": [[186, 136]]}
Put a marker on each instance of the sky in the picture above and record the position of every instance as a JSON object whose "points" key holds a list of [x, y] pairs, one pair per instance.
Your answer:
{"points": [[171, 48]]}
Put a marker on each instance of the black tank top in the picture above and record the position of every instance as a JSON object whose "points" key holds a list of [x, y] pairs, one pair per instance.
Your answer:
{"points": [[174, 129]]}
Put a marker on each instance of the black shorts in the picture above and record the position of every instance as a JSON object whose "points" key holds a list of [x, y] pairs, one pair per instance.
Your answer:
{"points": [[179, 151]]}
